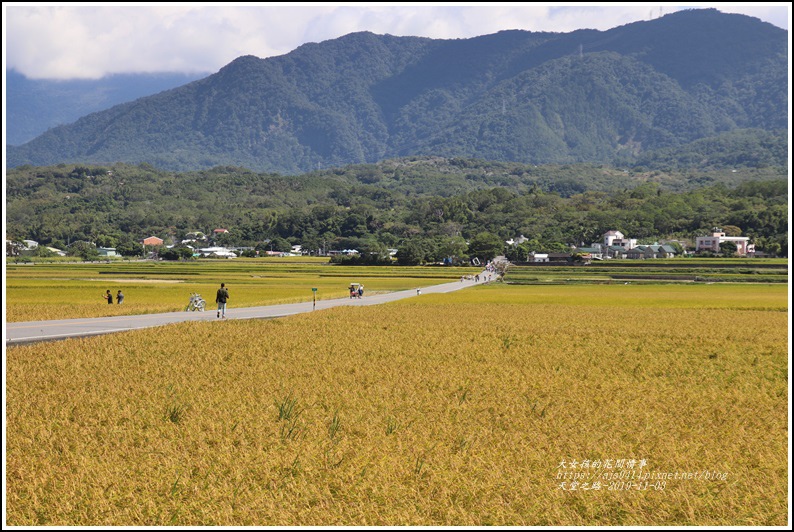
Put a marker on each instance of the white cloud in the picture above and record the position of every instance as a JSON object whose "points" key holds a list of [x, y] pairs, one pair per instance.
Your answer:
{"points": [[67, 41]]}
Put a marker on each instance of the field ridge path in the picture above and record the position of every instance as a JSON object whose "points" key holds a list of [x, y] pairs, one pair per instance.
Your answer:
{"points": [[40, 331]]}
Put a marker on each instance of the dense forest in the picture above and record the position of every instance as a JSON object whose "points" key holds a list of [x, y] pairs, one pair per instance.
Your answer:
{"points": [[430, 207], [623, 97]]}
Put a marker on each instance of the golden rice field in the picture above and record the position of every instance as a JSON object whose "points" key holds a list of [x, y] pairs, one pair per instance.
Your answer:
{"points": [[461, 409], [62, 291]]}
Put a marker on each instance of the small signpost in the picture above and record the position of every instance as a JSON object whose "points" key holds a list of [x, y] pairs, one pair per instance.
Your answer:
{"points": [[314, 301]]}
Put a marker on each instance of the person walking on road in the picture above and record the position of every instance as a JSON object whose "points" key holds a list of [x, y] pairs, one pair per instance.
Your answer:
{"points": [[220, 298], [109, 297]]}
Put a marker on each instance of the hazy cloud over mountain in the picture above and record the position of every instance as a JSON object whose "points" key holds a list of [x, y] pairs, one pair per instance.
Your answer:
{"points": [[64, 41]]}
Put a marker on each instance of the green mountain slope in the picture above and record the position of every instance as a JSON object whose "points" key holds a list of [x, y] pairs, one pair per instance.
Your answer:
{"points": [[584, 96], [36, 105]]}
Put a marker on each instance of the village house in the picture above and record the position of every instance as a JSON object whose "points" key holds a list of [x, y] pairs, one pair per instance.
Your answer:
{"points": [[651, 252], [617, 239], [712, 243], [195, 236], [559, 257], [614, 246], [107, 252], [538, 257], [152, 241], [14, 247], [617, 246], [616, 252], [593, 252], [217, 252]]}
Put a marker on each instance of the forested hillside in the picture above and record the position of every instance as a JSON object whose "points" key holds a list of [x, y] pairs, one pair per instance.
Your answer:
{"points": [[35, 105], [431, 204], [607, 97]]}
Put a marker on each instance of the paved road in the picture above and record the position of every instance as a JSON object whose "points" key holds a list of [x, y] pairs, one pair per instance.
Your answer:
{"points": [[38, 331]]}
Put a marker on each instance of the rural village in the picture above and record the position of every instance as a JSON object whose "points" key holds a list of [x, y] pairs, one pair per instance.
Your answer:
{"points": [[614, 246]]}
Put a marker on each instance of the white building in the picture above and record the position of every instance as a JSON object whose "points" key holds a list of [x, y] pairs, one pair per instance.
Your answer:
{"points": [[712, 243], [514, 242], [616, 238], [217, 252]]}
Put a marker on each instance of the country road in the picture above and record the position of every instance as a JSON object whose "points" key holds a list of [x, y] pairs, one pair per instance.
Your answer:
{"points": [[39, 331]]}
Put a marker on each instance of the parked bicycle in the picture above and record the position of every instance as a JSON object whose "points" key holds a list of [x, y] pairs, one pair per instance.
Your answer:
{"points": [[196, 303]]}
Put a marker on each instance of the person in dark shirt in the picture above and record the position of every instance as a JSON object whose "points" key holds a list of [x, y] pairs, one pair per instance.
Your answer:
{"points": [[109, 297], [220, 298]]}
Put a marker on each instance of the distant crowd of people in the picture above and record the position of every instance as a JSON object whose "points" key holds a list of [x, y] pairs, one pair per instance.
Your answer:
{"points": [[477, 278], [485, 277]]}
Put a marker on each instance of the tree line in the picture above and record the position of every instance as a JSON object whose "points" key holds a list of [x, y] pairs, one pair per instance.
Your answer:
{"points": [[427, 208]]}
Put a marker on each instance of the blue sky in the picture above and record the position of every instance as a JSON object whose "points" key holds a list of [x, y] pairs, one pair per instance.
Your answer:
{"points": [[64, 41]]}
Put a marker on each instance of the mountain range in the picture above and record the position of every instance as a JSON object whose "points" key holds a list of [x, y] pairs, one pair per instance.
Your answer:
{"points": [[529, 97], [35, 105]]}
